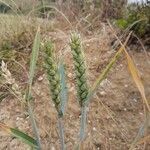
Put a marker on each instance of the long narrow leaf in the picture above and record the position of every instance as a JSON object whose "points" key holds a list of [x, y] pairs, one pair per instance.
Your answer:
{"points": [[134, 73], [33, 60], [20, 135], [64, 90]]}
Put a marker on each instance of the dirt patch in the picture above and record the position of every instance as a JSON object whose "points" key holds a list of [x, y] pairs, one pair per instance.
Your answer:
{"points": [[115, 112]]}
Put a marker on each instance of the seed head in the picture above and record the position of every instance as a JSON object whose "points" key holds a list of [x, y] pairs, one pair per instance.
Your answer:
{"points": [[53, 75], [80, 68]]}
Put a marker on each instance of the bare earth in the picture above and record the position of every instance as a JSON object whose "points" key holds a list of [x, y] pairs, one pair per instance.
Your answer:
{"points": [[115, 112]]}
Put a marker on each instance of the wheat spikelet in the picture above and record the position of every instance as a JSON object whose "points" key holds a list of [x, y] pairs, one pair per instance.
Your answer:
{"points": [[52, 75], [80, 68]]}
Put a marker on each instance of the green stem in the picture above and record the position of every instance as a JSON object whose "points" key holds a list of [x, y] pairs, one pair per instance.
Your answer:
{"points": [[83, 123], [34, 126], [61, 133]]}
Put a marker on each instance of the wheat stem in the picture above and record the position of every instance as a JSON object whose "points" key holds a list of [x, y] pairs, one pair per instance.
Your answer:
{"points": [[83, 123], [34, 126], [61, 133], [81, 81]]}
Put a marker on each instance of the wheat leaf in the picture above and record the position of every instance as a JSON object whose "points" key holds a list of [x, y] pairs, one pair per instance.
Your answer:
{"points": [[33, 60], [20, 135]]}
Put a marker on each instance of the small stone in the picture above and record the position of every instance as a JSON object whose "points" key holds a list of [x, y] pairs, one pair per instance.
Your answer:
{"points": [[125, 109], [17, 118], [126, 85], [53, 148], [102, 93], [70, 75], [94, 129], [135, 100], [87, 45], [105, 83], [40, 78], [141, 113]]}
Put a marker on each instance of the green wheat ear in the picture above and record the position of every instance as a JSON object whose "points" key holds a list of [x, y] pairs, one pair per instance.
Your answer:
{"points": [[53, 75], [80, 68]]}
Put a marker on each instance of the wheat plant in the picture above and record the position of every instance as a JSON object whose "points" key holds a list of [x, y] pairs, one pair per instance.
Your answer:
{"points": [[84, 93], [81, 80], [34, 143], [57, 86]]}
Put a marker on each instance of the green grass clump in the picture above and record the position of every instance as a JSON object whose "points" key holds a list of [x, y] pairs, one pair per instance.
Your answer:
{"points": [[137, 19]]}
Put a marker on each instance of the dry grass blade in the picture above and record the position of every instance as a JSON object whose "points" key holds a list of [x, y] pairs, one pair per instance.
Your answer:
{"points": [[57, 10], [134, 72], [20, 135]]}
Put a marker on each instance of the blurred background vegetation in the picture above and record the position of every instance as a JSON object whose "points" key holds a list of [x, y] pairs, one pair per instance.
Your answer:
{"points": [[85, 14]]}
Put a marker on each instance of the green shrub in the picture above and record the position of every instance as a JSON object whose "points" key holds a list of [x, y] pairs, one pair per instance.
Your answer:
{"points": [[138, 19]]}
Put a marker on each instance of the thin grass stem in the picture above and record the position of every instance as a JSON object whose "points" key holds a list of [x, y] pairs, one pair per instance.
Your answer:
{"points": [[83, 123], [34, 126], [61, 133]]}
